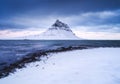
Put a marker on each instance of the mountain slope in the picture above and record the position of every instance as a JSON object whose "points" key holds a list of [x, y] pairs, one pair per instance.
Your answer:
{"points": [[58, 31]]}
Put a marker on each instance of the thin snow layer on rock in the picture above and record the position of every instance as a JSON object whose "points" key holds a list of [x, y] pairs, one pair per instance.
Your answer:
{"points": [[57, 34], [58, 31], [91, 66]]}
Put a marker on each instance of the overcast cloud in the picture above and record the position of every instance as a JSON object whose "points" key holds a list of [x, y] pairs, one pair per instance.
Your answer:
{"points": [[23, 16]]}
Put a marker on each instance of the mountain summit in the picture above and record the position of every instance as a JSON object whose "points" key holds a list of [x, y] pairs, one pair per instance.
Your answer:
{"points": [[58, 31], [60, 25]]}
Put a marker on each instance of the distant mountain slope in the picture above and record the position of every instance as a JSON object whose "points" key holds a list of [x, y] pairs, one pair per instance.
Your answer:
{"points": [[58, 31]]}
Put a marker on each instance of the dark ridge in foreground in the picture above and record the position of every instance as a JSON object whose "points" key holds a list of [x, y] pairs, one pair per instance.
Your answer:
{"points": [[36, 57]]}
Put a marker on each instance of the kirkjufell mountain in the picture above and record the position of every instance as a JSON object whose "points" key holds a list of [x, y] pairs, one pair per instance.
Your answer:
{"points": [[58, 31]]}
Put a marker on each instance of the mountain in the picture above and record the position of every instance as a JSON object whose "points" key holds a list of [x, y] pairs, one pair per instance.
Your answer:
{"points": [[58, 31]]}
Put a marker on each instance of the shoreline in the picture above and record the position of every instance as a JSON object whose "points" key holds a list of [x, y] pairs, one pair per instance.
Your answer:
{"points": [[93, 66], [35, 56]]}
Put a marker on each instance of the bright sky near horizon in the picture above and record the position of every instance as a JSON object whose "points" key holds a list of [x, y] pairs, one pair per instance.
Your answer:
{"points": [[90, 19]]}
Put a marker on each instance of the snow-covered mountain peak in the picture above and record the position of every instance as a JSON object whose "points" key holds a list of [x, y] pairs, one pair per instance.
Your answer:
{"points": [[60, 25], [58, 31]]}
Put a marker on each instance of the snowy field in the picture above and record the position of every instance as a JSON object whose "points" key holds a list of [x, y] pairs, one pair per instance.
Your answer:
{"points": [[89, 66]]}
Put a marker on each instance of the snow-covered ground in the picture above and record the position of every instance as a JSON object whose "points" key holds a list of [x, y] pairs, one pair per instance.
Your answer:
{"points": [[90, 66]]}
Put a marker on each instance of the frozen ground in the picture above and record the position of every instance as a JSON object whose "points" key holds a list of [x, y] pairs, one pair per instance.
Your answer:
{"points": [[89, 66]]}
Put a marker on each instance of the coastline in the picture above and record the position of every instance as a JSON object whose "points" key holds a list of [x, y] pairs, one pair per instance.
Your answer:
{"points": [[93, 66], [35, 56]]}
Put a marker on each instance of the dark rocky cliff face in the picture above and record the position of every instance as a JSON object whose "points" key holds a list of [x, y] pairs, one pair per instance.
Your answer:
{"points": [[60, 25]]}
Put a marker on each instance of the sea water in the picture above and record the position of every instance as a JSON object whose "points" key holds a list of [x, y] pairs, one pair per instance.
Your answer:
{"points": [[14, 50]]}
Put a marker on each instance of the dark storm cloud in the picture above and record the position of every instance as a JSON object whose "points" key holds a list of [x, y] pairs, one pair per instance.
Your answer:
{"points": [[31, 8], [12, 7], [12, 26]]}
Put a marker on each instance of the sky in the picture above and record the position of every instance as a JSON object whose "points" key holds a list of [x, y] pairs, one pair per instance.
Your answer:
{"points": [[89, 19]]}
